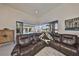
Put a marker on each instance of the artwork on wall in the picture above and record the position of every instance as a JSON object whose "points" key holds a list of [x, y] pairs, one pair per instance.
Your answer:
{"points": [[72, 24]]}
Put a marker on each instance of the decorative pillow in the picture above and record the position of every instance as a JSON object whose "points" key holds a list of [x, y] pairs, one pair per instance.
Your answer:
{"points": [[57, 39], [35, 39], [68, 41], [38, 39], [25, 42]]}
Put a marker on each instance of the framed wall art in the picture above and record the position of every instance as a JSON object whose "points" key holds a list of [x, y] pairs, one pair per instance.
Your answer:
{"points": [[72, 24]]}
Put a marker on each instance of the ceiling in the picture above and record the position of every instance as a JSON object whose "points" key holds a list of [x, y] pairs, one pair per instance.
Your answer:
{"points": [[34, 9]]}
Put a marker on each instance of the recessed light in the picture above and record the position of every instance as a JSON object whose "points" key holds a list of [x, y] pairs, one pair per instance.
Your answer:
{"points": [[36, 11]]}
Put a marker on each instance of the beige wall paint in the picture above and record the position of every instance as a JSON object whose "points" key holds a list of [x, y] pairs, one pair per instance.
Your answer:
{"points": [[9, 16], [61, 13]]}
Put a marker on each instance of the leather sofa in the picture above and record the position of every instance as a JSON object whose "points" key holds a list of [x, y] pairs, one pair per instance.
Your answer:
{"points": [[28, 45], [65, 43], [68, 44]]}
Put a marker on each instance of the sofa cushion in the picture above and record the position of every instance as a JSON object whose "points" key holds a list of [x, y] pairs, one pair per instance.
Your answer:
{"points": [[57, 39], [69, 39], [70, 48], [25, 42]]}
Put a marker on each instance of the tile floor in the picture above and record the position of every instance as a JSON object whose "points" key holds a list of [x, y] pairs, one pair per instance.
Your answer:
{"points": [[6, 50], [48, 51]]}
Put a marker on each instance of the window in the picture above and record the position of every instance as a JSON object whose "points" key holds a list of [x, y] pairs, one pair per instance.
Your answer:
{"points": [[29, 29], [56, 27], [19, 27]]}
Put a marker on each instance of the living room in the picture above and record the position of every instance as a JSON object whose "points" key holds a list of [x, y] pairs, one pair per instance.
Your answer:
{"points": [[39, 17]]}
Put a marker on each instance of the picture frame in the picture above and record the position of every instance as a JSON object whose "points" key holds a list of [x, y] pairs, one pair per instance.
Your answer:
{"points": [[72, 24]]}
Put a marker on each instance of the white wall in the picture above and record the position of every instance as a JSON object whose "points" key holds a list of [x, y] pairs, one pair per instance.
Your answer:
{"points": [[9, 16], [61, 13]]}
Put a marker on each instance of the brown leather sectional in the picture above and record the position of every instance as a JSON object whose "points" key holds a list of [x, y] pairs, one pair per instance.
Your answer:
{"points": [[68, 44], [29, 45]]}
